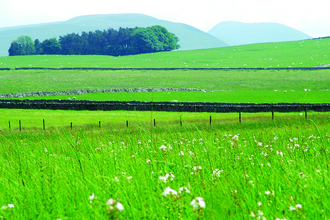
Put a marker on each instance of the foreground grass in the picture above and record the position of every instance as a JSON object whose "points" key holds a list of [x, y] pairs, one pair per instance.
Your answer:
{"points": [[307, 53], [257, 168]]}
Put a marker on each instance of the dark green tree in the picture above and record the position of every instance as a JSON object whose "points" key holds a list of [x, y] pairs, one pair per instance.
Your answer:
{"points": [[15, 49], [23, 45], [37, 46], [144, 41], [123, 41], [168, 40], [51, 46]]}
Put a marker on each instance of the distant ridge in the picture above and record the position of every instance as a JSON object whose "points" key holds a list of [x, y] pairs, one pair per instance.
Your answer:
{"points": [[190, 38], [239, 33]]}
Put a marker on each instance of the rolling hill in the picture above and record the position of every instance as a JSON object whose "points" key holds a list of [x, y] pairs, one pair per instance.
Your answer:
{"points": [[295, 54], [239, 33], [190, 37]]}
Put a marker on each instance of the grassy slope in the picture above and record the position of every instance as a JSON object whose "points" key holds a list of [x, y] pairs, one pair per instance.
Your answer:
{"points": [[296, 54], [228, 86], [308, 53]]}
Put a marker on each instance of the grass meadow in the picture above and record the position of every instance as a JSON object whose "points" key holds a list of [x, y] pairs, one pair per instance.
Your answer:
{"points": [[307, 53], [257, 169], [227, 85]]}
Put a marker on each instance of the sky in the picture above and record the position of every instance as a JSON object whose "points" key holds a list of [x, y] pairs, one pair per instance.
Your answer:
{"points": [[310, 17]]}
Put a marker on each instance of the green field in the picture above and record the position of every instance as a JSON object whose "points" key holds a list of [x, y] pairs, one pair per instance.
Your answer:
{"points": [[227, 85], [308, 53], [257, 169]]}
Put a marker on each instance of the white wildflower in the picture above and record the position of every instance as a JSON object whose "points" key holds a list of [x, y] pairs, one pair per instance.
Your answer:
{"points": [[11, 206], [164, 178], [292, 208], [119, 206], [298, 206], [197, 168], [91, 197], [184, 189], [169, 191], [217, 172], [279, 152], [198, 202], [267, 192], [163, 147]]}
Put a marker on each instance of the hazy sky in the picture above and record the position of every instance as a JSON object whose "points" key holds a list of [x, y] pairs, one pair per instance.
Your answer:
{"points": [[311, 17]]}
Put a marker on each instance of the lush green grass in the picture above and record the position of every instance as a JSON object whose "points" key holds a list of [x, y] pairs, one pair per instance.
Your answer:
{"points": [[52, 174], [31, 119], [265, 168], [216, 96], [228, 86], [308, 53]]}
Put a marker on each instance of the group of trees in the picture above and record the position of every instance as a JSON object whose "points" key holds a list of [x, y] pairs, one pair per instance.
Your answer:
{"points": [[124, 41]]}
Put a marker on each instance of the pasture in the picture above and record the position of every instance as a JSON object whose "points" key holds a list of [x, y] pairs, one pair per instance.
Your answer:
{"points": [[227, 85], [308, 53], [257, 169]]}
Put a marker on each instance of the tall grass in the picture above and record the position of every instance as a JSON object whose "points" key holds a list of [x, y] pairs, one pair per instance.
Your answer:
{"points": [[257, 168]]}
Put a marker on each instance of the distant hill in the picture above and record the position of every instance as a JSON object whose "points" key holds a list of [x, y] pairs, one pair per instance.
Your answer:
{"points": [[190, 38], [239, 33]]}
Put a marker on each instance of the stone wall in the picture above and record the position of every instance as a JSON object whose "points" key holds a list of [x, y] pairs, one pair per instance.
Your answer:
{"points": [[84, 91], [160, 106], [224, 68]]}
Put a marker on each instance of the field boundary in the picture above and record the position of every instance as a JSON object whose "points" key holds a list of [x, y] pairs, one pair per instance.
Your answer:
{"points": [[185, 68], [57, 104], [85, 91]]}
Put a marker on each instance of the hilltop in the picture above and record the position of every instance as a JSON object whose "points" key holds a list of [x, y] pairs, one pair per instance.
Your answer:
{"points": [[190, 38], [239, 33]]}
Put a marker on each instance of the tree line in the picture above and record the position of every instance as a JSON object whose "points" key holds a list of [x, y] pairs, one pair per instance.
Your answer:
{"points": [[124, 41]]}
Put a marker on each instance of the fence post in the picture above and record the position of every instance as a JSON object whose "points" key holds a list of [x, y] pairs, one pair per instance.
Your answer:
{"points": [[180, 120], [305, 113], [240, 117], [273, 116], [9, 125], [20, 125], [210, 119], [43, 124], [71, 125], [99, 124], [154, 122], [126, 123]]}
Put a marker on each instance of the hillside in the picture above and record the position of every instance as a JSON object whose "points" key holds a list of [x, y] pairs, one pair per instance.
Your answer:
{"points": [[307, 53], [239, 33], [190, 37]]}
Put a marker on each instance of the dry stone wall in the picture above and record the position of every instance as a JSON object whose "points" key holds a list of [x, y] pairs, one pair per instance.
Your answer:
{"points": [[160, 106], [84, 91]]}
